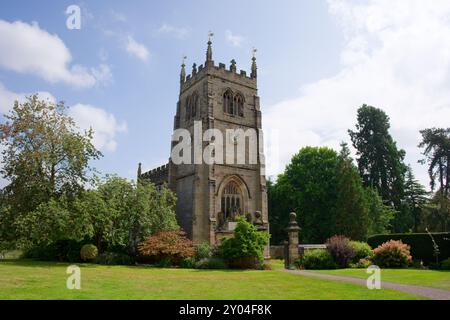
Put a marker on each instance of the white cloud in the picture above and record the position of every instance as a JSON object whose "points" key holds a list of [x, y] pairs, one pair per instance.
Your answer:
{"points": [[396, 57], [177, 32], [26, 48], [136, 49], [234, 39], [8, 97], [104, 124]]}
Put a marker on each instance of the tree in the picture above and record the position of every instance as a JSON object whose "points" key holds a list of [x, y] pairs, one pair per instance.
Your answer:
{"points": [[380, 163], [45, 157], [279, 206], [351, 204], [311, 178], [437, 152], [416, 197], [380, 214]]}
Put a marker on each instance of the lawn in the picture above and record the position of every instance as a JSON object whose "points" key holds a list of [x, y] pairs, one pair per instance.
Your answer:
{"points": [[429, 278], [24, 279]]}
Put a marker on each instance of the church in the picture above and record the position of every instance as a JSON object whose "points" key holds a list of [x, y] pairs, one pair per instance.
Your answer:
{"points": [[211, 196]]}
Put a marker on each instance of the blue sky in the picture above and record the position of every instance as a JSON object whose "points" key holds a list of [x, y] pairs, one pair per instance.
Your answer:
{"points": [[317, 62]]}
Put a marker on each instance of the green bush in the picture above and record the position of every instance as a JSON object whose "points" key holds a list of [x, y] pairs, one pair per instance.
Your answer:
{"points": [[316, 259], [203, 251], [362, 251], [211, 263], [188, 263], [361, 264], [88, 252], [245, 249], [61, 250], [392, 254], [445, 265], [420, 243], [113, 258]]}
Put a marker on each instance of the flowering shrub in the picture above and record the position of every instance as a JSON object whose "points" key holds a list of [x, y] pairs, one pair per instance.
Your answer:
{"points": [[166, 247], [392, 254], [361, 264], [341, 250]]}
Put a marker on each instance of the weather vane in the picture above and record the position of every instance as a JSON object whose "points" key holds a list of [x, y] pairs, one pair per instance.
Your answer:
{"points": [[210, 34], [183, 59], [254, 52]]}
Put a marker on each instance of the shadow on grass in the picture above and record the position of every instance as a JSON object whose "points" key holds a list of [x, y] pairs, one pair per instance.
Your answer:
{"points": [[31, 263]]}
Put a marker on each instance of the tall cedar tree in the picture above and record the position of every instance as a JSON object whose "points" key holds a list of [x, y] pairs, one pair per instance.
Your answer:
{"points": [[380, 163]]}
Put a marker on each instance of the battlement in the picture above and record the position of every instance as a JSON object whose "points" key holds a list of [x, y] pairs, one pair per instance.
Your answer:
{"points": [[221, 71], [158, 176]]}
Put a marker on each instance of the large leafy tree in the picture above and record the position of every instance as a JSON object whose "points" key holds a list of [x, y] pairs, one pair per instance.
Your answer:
{"points": [[45, 156], [380, 162], [380, 214], [324, 188]]}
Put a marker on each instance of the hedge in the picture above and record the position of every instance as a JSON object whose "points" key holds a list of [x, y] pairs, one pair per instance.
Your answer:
{"points": [[421, 244]]}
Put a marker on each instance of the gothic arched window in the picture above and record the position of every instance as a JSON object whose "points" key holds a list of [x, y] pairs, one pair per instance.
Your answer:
{"points": [[228, 102], [188, 108], [231, 202], [194, 105], [239, 105]]}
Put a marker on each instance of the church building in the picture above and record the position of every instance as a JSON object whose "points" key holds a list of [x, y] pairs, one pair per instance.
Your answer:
{"points": [[211, 196]]}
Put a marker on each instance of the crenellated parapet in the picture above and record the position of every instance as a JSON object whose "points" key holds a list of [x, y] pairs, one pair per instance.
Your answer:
{"points": [[158, 176], [220, 71]]}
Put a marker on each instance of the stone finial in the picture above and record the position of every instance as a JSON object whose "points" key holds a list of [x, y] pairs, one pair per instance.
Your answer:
{"points": [[183, 71], [233, 65], [293, 225], [194, 69], [139, 171], [254, 68], [209, 49]]}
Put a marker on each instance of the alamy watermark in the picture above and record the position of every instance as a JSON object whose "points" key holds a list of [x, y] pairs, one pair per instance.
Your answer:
{"points": [[374, 280], [74, 280]]}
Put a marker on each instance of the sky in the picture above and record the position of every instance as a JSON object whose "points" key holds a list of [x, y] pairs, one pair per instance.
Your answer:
{"points": [[318, 61]]}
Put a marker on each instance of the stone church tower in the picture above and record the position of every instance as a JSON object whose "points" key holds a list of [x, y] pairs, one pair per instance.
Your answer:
{"points": [[210, 196]]}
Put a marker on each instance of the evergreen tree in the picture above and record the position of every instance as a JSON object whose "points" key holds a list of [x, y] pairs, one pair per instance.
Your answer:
{"points": [[351, 205], [416, 198], [380, 163], [380, 214]]}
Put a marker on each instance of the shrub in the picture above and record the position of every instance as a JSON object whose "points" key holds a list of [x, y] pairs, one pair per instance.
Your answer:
{"points": [[420, 243], [113, 258], [88, 252], [166, 247], [61, 250], [316, 259], [203, 251], [362, 263], [392, 254], [362, 251], [445, 265], [341, 250], [211, 263], [188, 263], [245, 249]]}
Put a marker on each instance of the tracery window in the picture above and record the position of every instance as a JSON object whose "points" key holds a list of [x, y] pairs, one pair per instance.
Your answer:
{"points": [[231, 202]]}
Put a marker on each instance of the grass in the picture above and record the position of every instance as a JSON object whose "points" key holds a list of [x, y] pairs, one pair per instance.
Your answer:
{"points": [[25, 279], [429, 278]]}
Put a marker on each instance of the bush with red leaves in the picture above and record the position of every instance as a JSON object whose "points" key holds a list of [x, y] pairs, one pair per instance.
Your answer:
{"points": [[341, 250], [166, 248], [392, 254]]}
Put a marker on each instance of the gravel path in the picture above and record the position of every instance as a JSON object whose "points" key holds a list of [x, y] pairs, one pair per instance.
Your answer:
{"points": [[428, 292]]}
